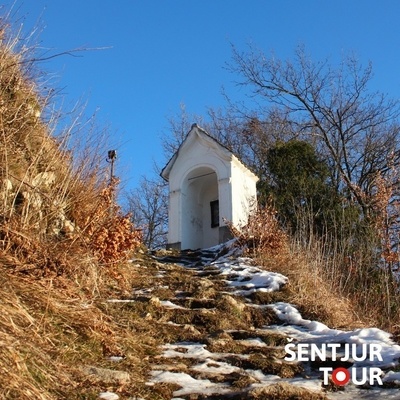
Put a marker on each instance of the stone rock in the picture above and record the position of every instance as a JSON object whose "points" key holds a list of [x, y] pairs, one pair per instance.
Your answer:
{"points": [[44, 179], [32, 200], [155, 301], [233, 304], [7, 185], [192, 330], [68, 228], [108, 396], [108, 376], [6, 194]]}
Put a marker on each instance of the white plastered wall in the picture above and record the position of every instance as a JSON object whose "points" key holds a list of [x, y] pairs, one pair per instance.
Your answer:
{"points": [[244, 193], [201, 172], [197, 178]]}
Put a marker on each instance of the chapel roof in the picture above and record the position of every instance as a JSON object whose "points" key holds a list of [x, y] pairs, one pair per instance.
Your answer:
{"points": [[195, 129]]}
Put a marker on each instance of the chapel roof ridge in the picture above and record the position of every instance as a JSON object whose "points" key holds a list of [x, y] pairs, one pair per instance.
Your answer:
{"points": [[165, 171]]}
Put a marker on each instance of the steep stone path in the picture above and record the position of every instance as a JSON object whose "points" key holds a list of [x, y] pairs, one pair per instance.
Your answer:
{"points": [[228, 346], [227, 351], [231, 345], [216, 329]]}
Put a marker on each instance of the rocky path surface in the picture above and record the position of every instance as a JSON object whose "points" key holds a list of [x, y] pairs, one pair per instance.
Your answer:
{"points": [[227, 333]]}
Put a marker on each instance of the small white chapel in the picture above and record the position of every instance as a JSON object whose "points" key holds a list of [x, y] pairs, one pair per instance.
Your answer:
{"points": [[208, 186]]}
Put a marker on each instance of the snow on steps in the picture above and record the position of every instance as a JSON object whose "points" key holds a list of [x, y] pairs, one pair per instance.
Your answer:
{"points": [[223, 363], [228, 375]]}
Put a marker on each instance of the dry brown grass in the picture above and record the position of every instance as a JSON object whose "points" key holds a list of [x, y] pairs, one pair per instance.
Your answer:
{"points": [[284, 391], [54, 193], [309, 288], [354, 277], [314, 295], [63, 242], [52, 330]]}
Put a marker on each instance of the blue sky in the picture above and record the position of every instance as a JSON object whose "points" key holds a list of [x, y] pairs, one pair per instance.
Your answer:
{"points": [[163, 53]]}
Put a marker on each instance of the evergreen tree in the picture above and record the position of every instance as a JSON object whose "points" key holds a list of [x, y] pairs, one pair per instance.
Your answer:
{"points": [[300, 186]]}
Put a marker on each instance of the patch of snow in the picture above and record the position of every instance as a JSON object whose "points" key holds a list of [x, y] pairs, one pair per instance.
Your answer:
{"points": [[255, 342], [186, 350], [259, 279], [108, 396], [174, 323], [260, 376], [169, 304], [230, 244], [120, 301], [307, 331], [392, 377], [115, 358], [242, 274], [142, 292]]}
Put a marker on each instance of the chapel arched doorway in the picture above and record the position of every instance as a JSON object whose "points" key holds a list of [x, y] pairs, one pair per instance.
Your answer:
{"points": [[200, 209]]}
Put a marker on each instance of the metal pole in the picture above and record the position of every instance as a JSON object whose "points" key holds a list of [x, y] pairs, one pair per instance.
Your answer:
{"points": [[111, 157]]}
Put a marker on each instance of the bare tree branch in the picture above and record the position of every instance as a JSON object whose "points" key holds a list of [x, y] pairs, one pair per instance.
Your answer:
{"points": [[358, 129]]}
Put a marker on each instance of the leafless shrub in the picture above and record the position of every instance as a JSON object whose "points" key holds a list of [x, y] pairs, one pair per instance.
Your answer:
{"points": [[262, 233]]}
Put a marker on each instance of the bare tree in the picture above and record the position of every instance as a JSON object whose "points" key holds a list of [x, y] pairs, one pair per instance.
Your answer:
{"points": [[356, 129], [148, 205], [248, 136], [179, 126]]}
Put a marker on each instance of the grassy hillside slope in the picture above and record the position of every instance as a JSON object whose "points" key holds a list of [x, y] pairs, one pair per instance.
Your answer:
{"points": [[61, 248]]}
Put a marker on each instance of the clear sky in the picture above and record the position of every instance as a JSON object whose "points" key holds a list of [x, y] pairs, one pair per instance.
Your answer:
{"points": [[162, 53]]}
